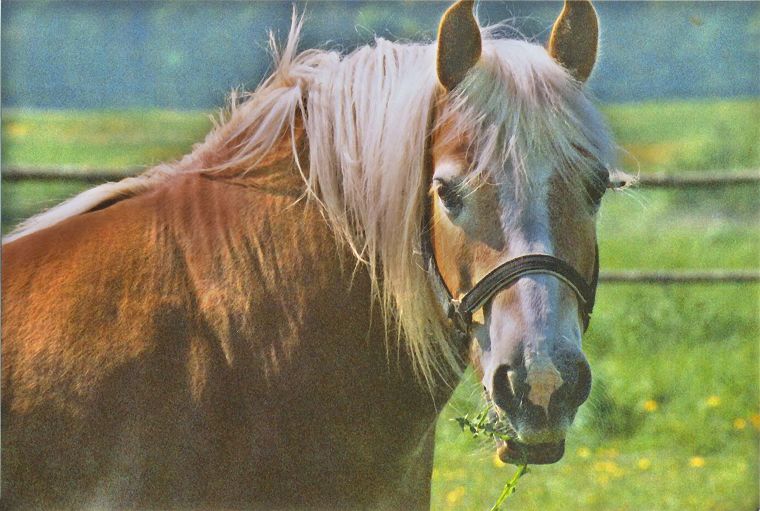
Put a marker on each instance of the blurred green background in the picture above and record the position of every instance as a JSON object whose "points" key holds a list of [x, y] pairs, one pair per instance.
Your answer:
{"points": [[673, 421]]}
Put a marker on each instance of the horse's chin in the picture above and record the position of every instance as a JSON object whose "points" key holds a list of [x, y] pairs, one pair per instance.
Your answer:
{"points": [[515, 452], [518, 453]]}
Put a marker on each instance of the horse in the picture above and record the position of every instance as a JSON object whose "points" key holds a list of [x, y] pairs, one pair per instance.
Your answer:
{"points": [[275, 320]]}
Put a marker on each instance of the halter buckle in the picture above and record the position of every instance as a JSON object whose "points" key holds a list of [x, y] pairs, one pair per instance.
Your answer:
{"points": [[461, 319]]}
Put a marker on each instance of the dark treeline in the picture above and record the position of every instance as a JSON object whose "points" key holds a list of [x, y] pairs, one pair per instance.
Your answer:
{"points": [[66, 54]]}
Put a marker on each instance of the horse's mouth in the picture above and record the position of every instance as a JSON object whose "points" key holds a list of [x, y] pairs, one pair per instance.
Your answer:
{"points": [[518, 453], [513, 451]]}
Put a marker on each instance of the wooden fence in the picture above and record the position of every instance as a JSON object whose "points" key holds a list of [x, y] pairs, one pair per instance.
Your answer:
{"points": [[644, 181], [679, 277], [656, 180]]}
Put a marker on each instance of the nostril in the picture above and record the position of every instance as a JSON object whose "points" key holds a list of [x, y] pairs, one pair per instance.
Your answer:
{"points": [[583, 387], [512, 381], [504, 388]]}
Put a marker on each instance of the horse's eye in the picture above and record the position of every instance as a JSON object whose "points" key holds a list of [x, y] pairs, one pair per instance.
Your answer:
{"points": [[450, 195], [596, 185]]}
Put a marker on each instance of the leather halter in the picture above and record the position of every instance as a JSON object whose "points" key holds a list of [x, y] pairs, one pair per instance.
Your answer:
{"points": [[503, 276]]}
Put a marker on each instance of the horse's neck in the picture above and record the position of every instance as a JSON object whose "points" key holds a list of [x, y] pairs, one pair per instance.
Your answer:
{"points": [[278, 290], [295, 320]]}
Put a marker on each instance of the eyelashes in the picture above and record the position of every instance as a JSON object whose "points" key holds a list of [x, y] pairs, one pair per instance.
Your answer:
{"points": [[450, 194], [596, 185]]}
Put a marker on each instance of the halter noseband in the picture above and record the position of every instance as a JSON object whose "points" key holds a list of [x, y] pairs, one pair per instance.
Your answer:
{"points": [[460, 311]]}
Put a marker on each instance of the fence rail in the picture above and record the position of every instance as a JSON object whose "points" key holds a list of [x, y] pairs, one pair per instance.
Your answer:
{"points": [[699, 179], [673, 181], [655, 180], [680, 277], [15, 174]]}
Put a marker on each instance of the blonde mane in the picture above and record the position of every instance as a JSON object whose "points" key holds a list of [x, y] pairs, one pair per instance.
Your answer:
{"points": [[366, 117]]}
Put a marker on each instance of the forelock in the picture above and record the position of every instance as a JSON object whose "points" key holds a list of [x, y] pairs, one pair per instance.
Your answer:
{"points": [[519, 106]]}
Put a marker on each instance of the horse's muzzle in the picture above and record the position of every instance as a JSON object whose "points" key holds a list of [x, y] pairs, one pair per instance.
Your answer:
{"points": [[539, 420]]}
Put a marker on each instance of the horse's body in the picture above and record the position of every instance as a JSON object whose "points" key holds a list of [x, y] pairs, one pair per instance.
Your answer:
{"points": [[256, 325], [202, 384]]}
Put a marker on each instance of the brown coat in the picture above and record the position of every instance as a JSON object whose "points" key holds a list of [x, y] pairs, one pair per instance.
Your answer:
{"points": [[205, 344]]}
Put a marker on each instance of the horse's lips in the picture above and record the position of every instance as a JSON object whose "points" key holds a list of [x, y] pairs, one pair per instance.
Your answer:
{"points": [[515, 452]]}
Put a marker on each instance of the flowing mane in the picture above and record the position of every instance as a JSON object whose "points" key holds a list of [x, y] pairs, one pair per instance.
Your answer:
{"points": [[365, 118]]}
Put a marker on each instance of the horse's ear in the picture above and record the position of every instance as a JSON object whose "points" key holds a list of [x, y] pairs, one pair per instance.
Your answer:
{"points": [[575, 37], [459, 43]]}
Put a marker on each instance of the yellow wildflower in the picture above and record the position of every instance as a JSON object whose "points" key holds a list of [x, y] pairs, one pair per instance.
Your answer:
{"points": [[713, 401], [17, 130], [650, 405], [455, 495], [697, 462], [755, 420], [740, 423], [609, 467], [644, 464]]}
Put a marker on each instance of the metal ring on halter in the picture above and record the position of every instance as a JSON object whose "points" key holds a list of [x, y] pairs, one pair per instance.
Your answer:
{"points": [[459, 317]]}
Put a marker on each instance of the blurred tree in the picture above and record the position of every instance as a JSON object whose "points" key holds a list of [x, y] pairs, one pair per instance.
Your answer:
{"points": [[187, 55]]}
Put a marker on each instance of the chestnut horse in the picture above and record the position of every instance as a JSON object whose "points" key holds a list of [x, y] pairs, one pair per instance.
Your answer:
{"points": [[259, 325]]}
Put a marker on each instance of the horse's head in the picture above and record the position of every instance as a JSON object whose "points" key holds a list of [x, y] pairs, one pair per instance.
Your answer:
{"points": [[519, 166]]}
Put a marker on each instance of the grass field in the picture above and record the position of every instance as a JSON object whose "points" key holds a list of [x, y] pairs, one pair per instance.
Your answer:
{"points": [[673, 421]]}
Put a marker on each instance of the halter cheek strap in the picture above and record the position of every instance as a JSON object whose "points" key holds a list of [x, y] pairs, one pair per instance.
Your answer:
{"points": [[503, 276]]}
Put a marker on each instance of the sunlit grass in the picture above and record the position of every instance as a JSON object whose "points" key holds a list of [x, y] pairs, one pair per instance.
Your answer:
{"points": [[688, 135], [98, 139]]}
